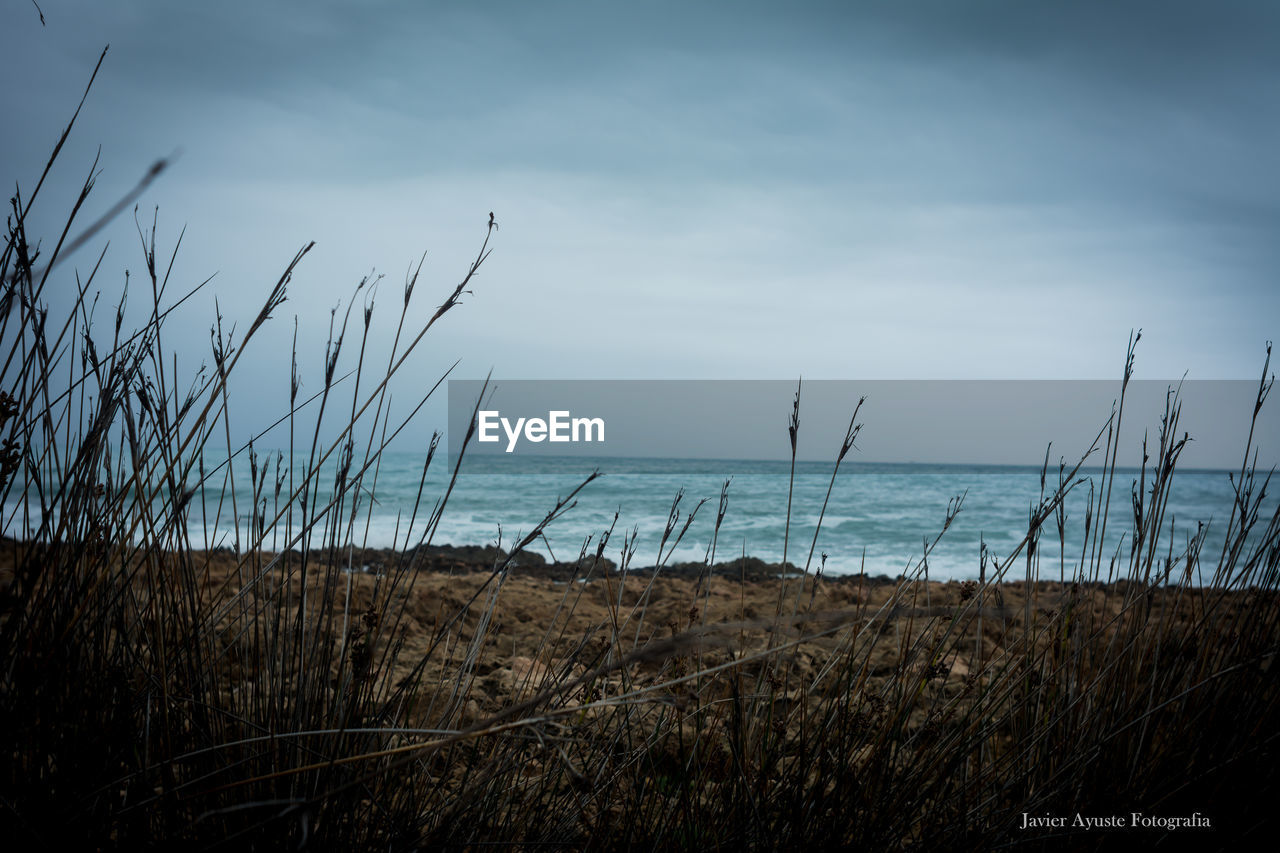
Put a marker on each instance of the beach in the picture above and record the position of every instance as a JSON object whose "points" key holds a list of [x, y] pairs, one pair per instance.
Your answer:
{"points": [[463, 661]]}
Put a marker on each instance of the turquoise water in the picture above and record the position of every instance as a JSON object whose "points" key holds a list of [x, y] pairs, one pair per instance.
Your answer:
{"points": [[879, 516]]}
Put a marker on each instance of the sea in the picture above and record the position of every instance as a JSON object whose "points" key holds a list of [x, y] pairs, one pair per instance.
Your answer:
{"points": [[951, 521]]}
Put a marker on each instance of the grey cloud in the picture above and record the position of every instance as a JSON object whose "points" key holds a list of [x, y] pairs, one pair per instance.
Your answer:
{"points": [[885, 189]]}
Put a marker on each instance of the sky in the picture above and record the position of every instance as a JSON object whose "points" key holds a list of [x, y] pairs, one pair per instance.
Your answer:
{"points": [[858, 190]]}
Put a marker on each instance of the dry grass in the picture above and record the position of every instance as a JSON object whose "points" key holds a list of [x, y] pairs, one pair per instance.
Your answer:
{"points": [[154, 692]]}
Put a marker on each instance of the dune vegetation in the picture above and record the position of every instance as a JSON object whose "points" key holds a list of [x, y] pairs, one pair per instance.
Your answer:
{"points": [[157, 692]]}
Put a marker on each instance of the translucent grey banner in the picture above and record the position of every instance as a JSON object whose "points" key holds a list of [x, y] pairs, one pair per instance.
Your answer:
{"points": [[672, 426]]}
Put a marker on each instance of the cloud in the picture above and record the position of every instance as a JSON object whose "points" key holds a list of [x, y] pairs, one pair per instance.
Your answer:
{"points": [[934, 190]]}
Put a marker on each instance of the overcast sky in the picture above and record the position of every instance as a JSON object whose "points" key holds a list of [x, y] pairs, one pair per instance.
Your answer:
{"points": [[878, 190]]}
